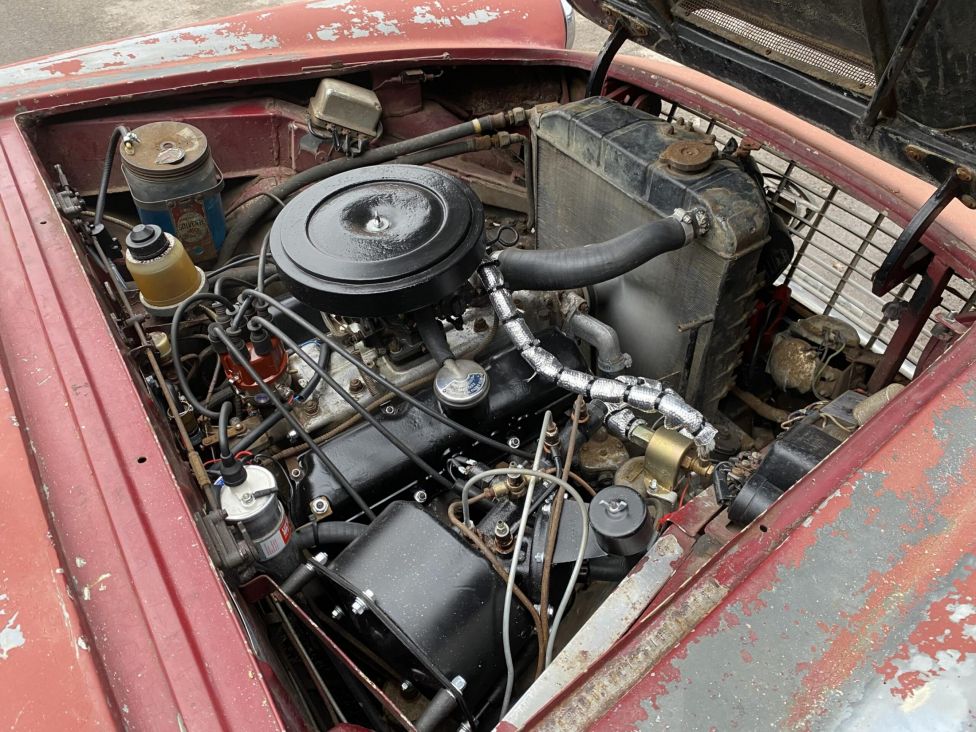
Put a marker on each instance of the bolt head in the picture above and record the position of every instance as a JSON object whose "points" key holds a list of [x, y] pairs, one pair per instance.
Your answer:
{"points": [[420, 496], [514, 442], [358, 606], [337, 613], [319, 505], [389, 410], [502, 530]]}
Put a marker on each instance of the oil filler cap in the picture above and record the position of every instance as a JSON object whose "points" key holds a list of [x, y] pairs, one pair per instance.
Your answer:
{"points": [[620, 521], [379, 241], [146, 242]]}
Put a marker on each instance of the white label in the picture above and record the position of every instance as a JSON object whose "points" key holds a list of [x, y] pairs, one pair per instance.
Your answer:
{"points": [[275, 543]]}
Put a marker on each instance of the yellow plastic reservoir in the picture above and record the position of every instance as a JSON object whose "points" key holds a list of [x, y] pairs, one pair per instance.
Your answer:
{"points": [[161, 269]]}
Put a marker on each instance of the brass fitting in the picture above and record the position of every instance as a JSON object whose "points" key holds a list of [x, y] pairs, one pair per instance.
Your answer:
{"points": [[516, 484], [667, 453]]}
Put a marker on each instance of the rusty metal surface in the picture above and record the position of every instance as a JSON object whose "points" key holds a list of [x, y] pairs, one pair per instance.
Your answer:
{"points": [[290, 39], [156, 619], [847, 605], [610, 621], [88, 368], [42, 635]]}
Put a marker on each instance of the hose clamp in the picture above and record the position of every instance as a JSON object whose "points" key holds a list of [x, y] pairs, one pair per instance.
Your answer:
{"points": [[695, 222]]}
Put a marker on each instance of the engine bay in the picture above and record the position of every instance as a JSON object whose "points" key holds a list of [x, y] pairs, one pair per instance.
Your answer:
{"points": [[443, 358]]}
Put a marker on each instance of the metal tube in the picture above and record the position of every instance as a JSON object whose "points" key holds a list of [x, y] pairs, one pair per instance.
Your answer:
{"points": [[643, 394]]}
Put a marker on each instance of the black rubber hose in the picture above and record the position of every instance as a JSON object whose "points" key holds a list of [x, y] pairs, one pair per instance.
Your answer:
{"points": [[238, 261], [245, 363], [439, 709], [113, 144], [223, 425], [324, 533], [433, 335], [251, 214], [567, 269], [609, 569]]}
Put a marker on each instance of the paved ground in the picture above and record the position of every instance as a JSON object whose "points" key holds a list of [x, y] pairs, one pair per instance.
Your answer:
{"points": [[45, 26]]}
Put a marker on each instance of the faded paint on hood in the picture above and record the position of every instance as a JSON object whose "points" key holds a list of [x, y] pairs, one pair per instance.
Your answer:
{"points": [[297, 37]]}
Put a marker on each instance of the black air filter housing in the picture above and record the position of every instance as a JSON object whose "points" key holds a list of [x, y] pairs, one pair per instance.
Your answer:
{"points": [[379, 241]]}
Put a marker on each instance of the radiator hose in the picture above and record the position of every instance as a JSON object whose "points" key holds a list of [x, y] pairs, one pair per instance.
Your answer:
{"points": [[568, 269], [643, 394]]}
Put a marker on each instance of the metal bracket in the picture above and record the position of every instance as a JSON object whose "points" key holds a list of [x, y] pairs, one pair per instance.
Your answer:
{"points": [[601, 65], [882, 100], [908, 257]]}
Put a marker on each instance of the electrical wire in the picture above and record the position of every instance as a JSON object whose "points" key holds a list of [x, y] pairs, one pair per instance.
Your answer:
{"points": [[574, 575], [174, 341], [223, 435], [475, 539], [354, 403], [510, 585], [554, 518], [233, 209], [263, 259], [295, 424], [388, 385], [109, 219], [235, 262], [373, 404]]}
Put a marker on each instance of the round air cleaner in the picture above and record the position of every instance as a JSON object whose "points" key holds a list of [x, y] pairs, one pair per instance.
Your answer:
{"points": [[379, 241]]}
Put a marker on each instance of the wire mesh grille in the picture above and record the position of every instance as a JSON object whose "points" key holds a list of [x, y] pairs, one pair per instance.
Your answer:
{"points": [[840, 242], [824, 60]]}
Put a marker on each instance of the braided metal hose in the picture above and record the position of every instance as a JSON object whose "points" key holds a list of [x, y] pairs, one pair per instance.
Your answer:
{"points": [[646, 395]]}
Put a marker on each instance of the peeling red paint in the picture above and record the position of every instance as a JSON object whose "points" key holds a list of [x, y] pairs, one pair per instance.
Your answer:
{"points": [[939, 634], [894, 453], [64, 68]]}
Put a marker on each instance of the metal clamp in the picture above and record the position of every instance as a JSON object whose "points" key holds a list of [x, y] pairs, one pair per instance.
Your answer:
{"points": [[908, 257]]}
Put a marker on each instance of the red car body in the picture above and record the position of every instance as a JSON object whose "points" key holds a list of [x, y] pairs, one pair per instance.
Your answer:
{"points": [[111, 613]]}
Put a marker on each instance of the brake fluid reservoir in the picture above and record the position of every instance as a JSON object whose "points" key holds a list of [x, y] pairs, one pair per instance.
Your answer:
{"points": [[161, 269], [176, 185]]}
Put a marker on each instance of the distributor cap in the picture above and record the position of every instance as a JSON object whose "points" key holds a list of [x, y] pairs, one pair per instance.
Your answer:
{"points": [[379, 241]]}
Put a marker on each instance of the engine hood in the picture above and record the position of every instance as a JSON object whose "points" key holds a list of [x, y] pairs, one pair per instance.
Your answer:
{"points": [[896, 77]]}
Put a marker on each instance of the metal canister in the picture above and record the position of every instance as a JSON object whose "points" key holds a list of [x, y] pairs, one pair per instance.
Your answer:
{"points": [[254, 506], [176, 185]]}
